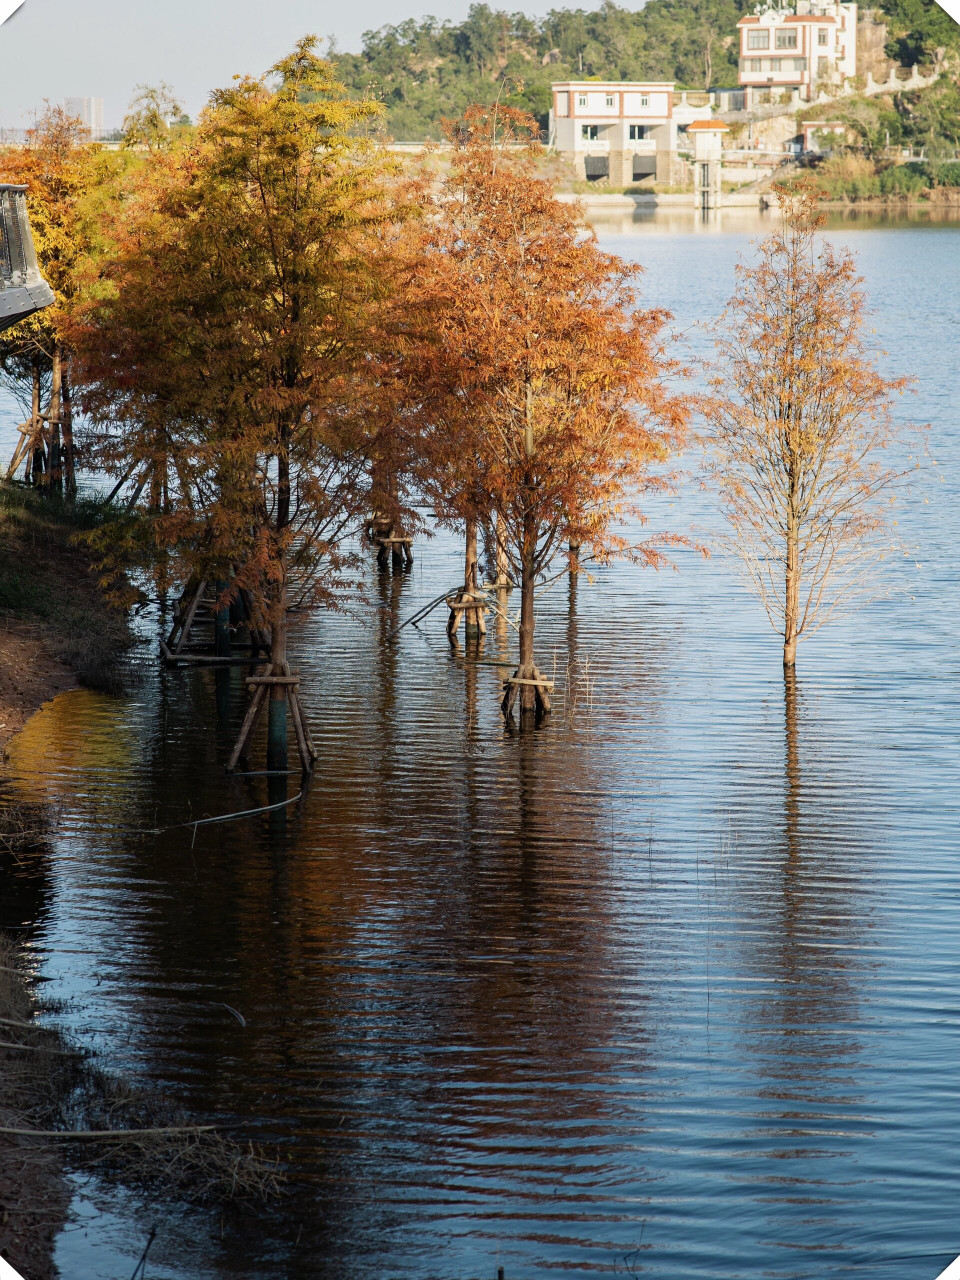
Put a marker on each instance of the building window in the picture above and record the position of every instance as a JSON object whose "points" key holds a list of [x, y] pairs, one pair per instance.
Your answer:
{"points": [[582, 100], [638, 132], [758, 39], [823, 36], [644, 100], [774, 64], [799, 64], [590, 132], [786, 39], [821, 66], [609, 99]]}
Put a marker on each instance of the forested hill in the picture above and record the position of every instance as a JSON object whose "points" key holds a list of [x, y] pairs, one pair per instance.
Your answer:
{"points": [[426, 69]]}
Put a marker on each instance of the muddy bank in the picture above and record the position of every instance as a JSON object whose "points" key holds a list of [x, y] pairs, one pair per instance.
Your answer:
{"points": [[30, 674], [57, 629]]}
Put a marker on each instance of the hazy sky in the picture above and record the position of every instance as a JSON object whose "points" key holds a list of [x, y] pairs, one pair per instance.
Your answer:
{"points": [[102, 48]]}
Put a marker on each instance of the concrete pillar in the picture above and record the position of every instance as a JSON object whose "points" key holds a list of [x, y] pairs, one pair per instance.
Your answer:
{"points": [[621, 168], [666, 166]]}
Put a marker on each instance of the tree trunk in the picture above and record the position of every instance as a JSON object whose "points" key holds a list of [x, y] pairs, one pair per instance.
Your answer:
{"points": [[69, 458], [223, 646], [503, 567], [470, 563], [470, 625], [56, 404], [277, 724], [35, 461]]}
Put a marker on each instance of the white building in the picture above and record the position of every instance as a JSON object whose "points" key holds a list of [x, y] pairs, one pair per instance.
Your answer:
{"points": [[796, 51], [90, 111], [620, 130]]}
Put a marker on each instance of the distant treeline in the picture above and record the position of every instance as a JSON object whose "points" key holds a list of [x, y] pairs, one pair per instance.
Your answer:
{"points": [[423, 70]]}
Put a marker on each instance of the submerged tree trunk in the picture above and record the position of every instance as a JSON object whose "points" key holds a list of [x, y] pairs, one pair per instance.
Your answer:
{"points": [[277, 715], [528, 581], [792, 794], [791, 616], [471, 579]]}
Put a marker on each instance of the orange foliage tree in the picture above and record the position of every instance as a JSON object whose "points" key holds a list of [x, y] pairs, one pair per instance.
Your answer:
{"points": [[538, 378], [229, 338], [802, 422]]}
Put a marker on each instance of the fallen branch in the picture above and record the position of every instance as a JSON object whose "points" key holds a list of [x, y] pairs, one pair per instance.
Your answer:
{"points": [[224, 817], [422, 613], [40, 1048]]}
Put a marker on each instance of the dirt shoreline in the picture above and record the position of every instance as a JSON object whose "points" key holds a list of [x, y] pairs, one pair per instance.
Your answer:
{"points": [[57, 630], [30, 674]]}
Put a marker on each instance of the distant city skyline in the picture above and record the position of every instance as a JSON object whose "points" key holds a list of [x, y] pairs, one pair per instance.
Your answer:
{"points": [[57, 49], [89, 110]]}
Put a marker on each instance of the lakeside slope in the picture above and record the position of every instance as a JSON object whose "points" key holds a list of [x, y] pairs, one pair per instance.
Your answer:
{"points": [[57, 630]]}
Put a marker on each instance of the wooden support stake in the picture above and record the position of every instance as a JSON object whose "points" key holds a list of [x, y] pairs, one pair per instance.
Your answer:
{"points": [[295, 697], [249, 720], [305, 759], [19, 453]]}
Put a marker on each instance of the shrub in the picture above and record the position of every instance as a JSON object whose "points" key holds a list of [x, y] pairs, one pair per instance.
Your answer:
{"points": [[946, 173], [903, 180]]}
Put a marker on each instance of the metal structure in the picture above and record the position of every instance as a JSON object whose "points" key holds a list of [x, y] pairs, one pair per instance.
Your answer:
{"points": [[23, 289]]}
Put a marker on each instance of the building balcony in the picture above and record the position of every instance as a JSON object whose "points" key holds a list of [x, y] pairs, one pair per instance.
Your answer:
{"points": [[592, 146], [772, 79], [773, 66], [641, 146]]}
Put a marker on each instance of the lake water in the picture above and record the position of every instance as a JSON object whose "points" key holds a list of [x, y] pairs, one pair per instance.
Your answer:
{"points": [[668, 988]]}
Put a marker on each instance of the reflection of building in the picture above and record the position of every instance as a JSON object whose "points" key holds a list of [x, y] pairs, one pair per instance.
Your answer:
{"points": [[90, 111], [796, 51], [619, 130]]}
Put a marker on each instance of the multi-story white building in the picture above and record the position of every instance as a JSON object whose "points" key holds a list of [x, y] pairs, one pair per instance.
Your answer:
{"points": [[90, 111], [796, 51], [620, 130]]}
